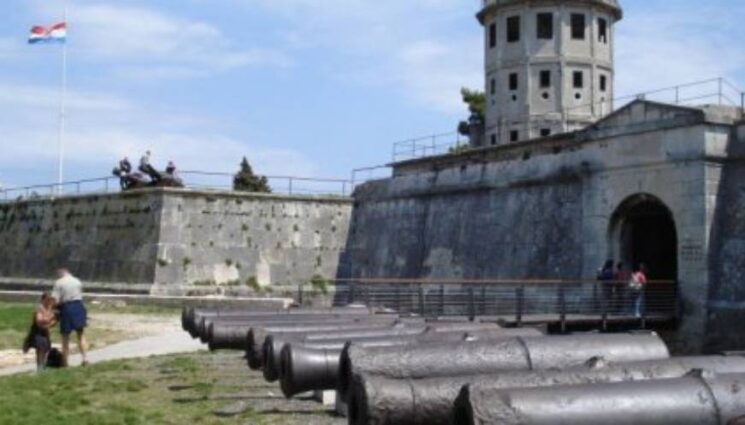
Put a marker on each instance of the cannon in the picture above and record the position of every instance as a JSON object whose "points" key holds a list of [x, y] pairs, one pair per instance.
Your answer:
{"points": [[255, 337], [230, 335], [304, 369], [274, 343], [191, 317], [518, 353], [280, 319], [701, 398], [385, 401]]}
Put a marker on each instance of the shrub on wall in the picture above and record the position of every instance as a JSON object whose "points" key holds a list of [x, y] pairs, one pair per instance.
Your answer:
{"points": [[246, 181]]}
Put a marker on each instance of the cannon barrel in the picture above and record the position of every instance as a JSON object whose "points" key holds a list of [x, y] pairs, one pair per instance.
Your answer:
{"points": [[304, 369], [234, 334], [205, 322], [385, 401], [193, 316], [257, 335], [519, 353], [274, 343], [697, 399]]}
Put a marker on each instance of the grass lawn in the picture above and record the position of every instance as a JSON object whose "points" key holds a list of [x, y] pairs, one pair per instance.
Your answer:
{"points": [[15, 320], [178, 390]]}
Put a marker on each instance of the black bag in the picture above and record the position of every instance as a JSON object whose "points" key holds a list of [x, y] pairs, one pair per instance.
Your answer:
{"points": [[54, 359]]}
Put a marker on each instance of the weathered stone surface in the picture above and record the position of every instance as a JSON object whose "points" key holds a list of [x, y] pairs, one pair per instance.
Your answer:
{"points": [[175, 239]]}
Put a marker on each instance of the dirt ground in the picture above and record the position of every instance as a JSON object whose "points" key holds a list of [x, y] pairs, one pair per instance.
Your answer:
{"points": [[104, 329]]}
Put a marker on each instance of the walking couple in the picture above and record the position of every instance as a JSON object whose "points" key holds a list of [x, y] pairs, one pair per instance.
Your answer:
{"points": [[622, 288], [64, 306]]}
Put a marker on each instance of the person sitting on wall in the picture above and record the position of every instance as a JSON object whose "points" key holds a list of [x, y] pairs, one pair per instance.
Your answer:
{"points": [[147, 168], [68, 296], [171, 169], [124, 172]]}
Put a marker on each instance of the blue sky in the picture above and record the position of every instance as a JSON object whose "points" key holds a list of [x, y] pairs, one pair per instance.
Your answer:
{"points": [[301, 87]]}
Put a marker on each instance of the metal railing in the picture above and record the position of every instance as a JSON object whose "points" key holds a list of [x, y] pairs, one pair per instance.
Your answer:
{"points": [[516, 301], [715, 91], [200, 180]]}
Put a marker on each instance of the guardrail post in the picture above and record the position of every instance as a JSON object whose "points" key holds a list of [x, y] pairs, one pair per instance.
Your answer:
{"points": [[483, 300], [442, 300], [397, 294], [643, 300], [351, 295], [471, 305], [520, 300], [421, 300], [300, 294], [290, 185], [604, 316], [562, 309]]}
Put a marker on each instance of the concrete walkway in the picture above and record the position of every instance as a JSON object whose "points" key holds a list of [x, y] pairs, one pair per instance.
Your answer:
{"points": [[172, 342]]}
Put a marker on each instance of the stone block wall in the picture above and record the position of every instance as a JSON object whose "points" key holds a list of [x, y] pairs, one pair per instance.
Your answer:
{"points": [[175, 241]]}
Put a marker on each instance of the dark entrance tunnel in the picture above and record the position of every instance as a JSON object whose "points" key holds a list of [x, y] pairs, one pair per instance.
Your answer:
{"points": [[648, 236], [645, 232]]}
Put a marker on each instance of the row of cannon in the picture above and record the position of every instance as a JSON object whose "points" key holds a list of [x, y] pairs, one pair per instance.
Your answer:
{"points": [[393, 370]]}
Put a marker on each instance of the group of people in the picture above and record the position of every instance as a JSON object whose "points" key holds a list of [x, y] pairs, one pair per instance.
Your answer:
{"points": [[623, 288], [63, 306], [145, 175]]}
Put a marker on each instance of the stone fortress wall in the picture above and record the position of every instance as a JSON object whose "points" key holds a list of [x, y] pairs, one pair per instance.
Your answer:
{"points": [[558, 207], [173, 241]]}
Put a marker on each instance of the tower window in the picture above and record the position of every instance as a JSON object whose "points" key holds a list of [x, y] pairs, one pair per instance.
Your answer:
{"points": [[513, 29], [603, 83], [545, 26], [578, 79], [513, 81], [578, 26], [493, 139], [545, 79], [602, 30], [493, 86], [545, 132], [514, 135], [493, 35]]}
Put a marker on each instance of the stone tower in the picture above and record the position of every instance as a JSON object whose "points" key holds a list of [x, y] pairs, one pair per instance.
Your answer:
{"points": [[549, 66]]}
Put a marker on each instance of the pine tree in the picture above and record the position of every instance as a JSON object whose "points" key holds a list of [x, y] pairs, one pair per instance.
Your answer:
{"points": [[246, 181]]}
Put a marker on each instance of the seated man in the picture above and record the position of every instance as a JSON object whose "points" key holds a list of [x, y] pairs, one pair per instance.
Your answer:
{"points": [[148, 169]]}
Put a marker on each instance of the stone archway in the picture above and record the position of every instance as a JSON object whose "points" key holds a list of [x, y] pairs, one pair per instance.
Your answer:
{"points": [[642, 230]]}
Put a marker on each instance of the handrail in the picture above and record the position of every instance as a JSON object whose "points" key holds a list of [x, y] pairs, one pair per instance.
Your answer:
{"points": [[495, 282]]}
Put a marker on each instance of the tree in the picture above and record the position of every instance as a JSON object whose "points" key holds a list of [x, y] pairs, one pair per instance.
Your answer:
{"points": [[476, 102], [246, 181]]}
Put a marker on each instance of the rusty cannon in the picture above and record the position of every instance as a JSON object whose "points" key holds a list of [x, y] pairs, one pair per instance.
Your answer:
{"points": [[273, 344], [701, 398], [305, 369], [385, 401], [518, 353]]}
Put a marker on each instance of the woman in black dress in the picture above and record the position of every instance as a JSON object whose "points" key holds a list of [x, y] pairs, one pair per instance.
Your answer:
{"points": [[38, 337]]}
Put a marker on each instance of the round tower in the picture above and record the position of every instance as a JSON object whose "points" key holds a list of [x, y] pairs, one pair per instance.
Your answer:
{"points": [[549, 66]]}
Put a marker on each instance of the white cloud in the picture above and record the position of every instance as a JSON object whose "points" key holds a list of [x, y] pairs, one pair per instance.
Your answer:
{"points": [[22, 95], [416, 47], [148, 44], [667, 47]]}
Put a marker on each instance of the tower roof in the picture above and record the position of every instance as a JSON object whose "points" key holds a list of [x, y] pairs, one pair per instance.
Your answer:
{"points": [[612, 6]]}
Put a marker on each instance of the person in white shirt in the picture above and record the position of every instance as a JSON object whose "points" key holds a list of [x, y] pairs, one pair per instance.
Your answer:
{"points": [[68, 295]]}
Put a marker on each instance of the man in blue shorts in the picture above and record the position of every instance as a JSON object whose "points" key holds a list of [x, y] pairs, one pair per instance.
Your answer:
{"points": [[68, 294]]}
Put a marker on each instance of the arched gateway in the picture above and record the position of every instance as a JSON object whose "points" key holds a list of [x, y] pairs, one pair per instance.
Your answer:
{"points": [[642, 230]]}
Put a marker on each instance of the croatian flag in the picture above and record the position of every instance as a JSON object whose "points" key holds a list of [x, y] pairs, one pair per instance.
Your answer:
{"points": [[57, 33]]}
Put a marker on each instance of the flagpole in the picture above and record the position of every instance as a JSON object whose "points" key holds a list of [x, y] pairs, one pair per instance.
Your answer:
{"points": [[62, 117]]}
